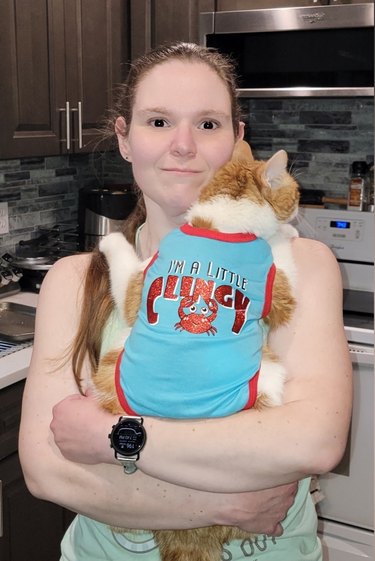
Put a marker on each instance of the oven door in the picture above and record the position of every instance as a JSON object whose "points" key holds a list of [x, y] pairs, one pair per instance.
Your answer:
{"points": [[341, 542], [349, 489]]}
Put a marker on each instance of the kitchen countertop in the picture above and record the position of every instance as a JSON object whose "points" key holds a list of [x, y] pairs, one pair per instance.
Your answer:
{"points": [[14, 366]]}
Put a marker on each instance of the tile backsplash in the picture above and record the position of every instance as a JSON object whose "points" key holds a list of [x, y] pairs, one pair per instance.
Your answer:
{"points": [[322, 136], [42, 192]]}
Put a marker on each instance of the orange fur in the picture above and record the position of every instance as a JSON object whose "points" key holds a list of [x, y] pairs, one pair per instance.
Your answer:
{"points": [[234, 181], [199, 222], [103, 380], [283, 303], [133, 299], [202, 544], [284, 200]]}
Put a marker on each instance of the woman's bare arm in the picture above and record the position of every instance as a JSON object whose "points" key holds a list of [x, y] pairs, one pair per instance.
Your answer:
{"points": [[100, 490], [255, 450]]}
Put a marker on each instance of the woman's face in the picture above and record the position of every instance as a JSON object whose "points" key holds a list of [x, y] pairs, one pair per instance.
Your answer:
{"points": [[180, 134]]}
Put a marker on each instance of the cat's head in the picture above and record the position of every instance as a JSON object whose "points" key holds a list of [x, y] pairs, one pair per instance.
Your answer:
{"points": [[277, 185], [249, 195]]}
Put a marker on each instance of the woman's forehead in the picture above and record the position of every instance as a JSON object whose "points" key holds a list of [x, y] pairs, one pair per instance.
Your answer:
{"points": [[179, 81]]}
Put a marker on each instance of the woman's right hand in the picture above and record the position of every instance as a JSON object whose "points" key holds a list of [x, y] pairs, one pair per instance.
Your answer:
{"points": [[258, 512]]}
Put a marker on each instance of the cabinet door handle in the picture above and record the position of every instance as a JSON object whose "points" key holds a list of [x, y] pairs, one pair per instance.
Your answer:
{"points": [[67, 120], [80, 144], [1, 510], [67, 110], [78, 110]]}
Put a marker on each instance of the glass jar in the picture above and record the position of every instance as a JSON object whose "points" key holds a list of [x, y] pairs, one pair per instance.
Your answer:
{"points": [[357, 186]]}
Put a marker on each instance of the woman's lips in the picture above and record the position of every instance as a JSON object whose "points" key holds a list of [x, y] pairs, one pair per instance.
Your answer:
{"points": [[182, 171]]}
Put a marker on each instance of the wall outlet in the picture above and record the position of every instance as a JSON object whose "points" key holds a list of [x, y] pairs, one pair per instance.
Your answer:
{"points": [[4, 219]]}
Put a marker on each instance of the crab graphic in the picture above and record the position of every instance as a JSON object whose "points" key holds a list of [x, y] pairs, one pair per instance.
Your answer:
{"points": [[197, 320]]}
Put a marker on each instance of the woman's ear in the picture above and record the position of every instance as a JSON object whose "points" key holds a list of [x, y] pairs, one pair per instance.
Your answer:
{"points": [[122, 139], [241, 130]]}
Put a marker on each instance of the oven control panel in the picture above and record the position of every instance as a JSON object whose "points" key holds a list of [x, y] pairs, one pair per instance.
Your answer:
{"points": [[340, 229], [349, 234]]}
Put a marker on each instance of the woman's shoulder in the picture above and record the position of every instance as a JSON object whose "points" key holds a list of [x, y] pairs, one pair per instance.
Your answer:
{"points": [[59, 305], [312, 252], [76, 266], [67, 275], [315, 262]]}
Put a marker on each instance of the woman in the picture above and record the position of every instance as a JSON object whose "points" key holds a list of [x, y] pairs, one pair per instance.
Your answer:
{"points": [[177, 123]]}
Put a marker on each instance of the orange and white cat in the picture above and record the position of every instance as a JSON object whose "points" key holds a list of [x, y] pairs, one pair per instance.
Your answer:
{"points": [[197, 346]]}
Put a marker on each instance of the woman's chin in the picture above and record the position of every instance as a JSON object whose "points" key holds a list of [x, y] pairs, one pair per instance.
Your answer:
{"points": [[179, 205]]}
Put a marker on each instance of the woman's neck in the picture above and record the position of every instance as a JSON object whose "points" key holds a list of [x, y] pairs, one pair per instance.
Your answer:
{"points": [[156, 226]]}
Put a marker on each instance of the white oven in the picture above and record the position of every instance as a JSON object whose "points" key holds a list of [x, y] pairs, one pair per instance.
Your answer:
{"points": [[346, 514]]}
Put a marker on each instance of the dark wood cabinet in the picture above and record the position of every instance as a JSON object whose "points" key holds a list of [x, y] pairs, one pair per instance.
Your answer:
{"points": [[154, 22], [30, 529], [59, 62]]}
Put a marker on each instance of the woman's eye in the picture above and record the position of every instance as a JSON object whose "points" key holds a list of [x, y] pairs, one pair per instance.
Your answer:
{"points": [[158, 122], [209, 125]]}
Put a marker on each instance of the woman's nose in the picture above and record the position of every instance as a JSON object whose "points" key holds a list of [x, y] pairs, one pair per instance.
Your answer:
{"points": [[183, 141]]}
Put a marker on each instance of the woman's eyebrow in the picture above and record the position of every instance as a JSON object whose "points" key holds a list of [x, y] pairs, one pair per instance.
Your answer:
{"points": [[214, 113], [150, 110], [203, 113]]}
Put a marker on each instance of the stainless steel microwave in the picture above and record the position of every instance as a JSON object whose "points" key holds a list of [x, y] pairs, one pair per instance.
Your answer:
{"points": [[316, 50]]}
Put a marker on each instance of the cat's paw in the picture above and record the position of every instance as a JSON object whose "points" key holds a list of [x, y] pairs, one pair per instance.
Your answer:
{"points": [[271, 381], [288, 231]]}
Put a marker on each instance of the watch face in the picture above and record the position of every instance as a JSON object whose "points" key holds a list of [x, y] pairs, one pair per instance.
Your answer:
{"points": [[128, 437]]}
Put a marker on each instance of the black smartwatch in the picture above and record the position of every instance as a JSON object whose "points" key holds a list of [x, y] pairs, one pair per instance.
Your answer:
{"points": [[128, 437]]}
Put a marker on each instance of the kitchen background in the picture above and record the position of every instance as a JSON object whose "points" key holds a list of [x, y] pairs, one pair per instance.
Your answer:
{"points": [[57, 55], [322, 136]]}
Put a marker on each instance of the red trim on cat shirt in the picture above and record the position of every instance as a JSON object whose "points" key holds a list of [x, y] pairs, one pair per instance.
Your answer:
{"points": [[268, 293], [120, 394], [236, 237], [153, 259], [253, 391]]}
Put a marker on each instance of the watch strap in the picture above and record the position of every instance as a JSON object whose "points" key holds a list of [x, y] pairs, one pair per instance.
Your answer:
{"points": [[127, 462]]}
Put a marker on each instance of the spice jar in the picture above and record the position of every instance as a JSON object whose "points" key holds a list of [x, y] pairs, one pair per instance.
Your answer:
{"points": [[357, 186]]}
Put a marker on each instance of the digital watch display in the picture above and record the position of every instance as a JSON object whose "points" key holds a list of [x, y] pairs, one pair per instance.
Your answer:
{"points": [[127, 438]]}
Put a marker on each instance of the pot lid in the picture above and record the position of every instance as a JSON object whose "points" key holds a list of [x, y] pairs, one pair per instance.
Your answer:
{"points": [[35, 263]]}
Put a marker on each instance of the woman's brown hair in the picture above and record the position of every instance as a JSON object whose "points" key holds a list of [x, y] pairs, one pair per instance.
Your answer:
{"points": [[97, 302]]}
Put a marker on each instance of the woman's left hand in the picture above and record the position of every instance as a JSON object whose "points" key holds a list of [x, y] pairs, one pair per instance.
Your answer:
{"points": [[80, 429]]}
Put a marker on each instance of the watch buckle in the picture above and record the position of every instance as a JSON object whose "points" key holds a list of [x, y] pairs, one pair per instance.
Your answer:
{"points": [[129, 467]]}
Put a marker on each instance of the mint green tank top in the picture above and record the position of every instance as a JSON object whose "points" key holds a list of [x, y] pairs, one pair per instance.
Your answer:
{"points": [[89, 540]]}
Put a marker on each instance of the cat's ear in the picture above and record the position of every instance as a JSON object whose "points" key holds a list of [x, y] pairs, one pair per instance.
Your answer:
{"points": [[242, 151], [275, 168]]}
